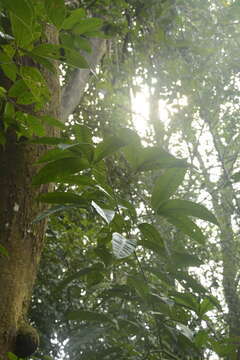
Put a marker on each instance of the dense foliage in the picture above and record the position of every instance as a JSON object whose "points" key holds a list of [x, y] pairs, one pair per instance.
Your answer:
{"points": [[130, 237]]}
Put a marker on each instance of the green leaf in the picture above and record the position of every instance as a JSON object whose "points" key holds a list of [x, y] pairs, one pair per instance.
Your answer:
{"points": [[82, 44], [51, 211], [34, 80], [205, 306], [54, 171], [157, 158], [139, 285], [3, 251], [188, 300], [8, 66], [22, 9], [107, 147], [9, 114], [97, 267], [64, 54], [82, 315], [34, 125], [106, 214], [236, 177], [80, 149], [79, 180], [56, 11], [178, 208], [184, 260], [73, 58], [2, 138], [86, 25], [2, 92], [57, 197], [21, 92], [47, 63], [22, 32], [73, 19], [122, 247], [53, 122], [188, 227], [188, 281], [201, 338], [184, 330], [11, 356], [151, 238], [54, 154], [166, 185], [143, 159]]}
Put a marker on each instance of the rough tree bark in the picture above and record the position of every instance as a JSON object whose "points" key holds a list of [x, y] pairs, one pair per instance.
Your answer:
{"points": [[18, 207], [22, 239]]}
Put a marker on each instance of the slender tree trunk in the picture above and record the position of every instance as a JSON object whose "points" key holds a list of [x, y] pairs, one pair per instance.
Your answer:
{"points": [[22, 239]]}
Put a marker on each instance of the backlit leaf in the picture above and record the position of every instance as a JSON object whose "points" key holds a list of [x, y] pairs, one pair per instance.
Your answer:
{"points": [[166, 185], [53, 171], [184, 207], [122, 247], [188, 227]]}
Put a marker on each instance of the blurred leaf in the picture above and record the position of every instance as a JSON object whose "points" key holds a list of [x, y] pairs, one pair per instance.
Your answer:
{"points": [[184, 260], [156, 158], [59, 52], [205, 306], [188, 300], [52, 121], [139, 285], [34, 80], [86, 25], [97, 267], [74, 17], [185, 331], [177, 208], [82, 43], [236, 177], [8, 66], [22, 31], [151, 238], [56, 170], [11, 356], [51, 211], [3, 251], [201, 338], [188, 227], [108, 147], [81, 315], [23, 10], [166, 185]]}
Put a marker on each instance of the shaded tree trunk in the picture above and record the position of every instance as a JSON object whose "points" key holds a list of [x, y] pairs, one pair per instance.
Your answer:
{"points": [[22, 239]]}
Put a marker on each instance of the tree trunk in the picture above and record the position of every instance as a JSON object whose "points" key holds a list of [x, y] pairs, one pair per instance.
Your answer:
{"points": [[22, 239]]}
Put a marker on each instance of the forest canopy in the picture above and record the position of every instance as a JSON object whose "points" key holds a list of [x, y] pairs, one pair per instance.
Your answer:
{"points": [[119, 155]]}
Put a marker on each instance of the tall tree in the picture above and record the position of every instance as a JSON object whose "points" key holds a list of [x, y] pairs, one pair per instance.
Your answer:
{"points": [[30, 103]]}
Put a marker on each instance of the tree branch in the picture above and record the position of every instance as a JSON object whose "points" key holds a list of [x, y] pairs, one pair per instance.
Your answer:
{"points": [[74, 89]]}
